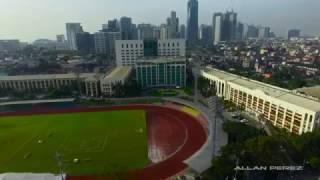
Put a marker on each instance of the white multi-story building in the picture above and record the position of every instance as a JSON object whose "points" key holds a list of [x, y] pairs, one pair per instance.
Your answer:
{"points": [[94, 84], [217, 27], [72, 30], [128, 51], [45, 81], [283, 108]]}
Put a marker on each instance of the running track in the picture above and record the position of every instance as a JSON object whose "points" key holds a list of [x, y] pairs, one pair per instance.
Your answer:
{"points": [[174, 135]]}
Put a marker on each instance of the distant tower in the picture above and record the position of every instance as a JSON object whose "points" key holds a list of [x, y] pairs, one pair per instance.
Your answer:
{"points": [[72, 30], [192, 23], [217, 27], [293, 33], [126, 28], [173, 26], [182, 31], [229, 26]]}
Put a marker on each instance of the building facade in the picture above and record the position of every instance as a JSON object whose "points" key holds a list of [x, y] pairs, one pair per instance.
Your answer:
{"points": [[173, 26], [145, 31], [72, 30], [128, 51], [280, 107], [182, 31], [126, 28], [85, 42], [118, 75], [93, 84], [206, 35], [293, 33], [161, 72], [192, 23], [217, 27]]}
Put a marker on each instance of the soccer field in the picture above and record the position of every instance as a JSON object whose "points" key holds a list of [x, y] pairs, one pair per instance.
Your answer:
{"points": [[103, 142]]}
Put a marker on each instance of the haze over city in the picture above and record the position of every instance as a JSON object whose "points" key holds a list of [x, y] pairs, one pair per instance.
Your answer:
{"points": [[33, 19]]}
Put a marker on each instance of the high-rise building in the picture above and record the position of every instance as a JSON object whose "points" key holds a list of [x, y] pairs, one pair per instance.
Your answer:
{"points": [[217, 27], [206, 35], [72, 30], [111, 38], [239, 32], [264, 32], [163, 31], [161, 72], [173, 26], [145, 31], [229, 26], [134, 32], [293, 33], [156, 32], [61, 43], [126, 28], [128, 51], [182, 31], [253, 32], [192, 23], [100, 42], [85, 42], [105, 43], [112, 26]]}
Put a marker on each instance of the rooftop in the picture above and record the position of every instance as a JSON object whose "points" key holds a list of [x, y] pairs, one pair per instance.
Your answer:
{"points": [[272, 91], [45, 76], [161, 59], [118, 74]]}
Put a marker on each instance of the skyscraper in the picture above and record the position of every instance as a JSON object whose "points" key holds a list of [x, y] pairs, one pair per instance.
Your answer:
{"points": [[145, 31], [206, 35], [253, 32], [264, 32], [112, 26], [217, 27], [192, 23], [163, 31], [239, 32], [173, 26], [85, 42], [126, 28], [182, 31], [229, 26], [293, 33], [72, 30]]}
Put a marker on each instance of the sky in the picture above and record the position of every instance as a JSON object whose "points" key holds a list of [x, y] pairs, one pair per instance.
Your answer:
{"points": [[29, 20]]}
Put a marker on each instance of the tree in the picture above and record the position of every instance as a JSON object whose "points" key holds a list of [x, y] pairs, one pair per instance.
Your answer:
{"points": [[206, 88]]}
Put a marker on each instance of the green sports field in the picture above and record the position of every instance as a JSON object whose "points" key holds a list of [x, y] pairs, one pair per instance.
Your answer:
{"points": [[103, 142]]}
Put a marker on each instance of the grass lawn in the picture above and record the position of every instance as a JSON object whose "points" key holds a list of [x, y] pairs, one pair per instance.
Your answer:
{"points": [[104, 142]]}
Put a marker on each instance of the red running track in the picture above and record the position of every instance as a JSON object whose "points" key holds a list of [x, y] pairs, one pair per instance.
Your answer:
{"points": [[173, 137]]}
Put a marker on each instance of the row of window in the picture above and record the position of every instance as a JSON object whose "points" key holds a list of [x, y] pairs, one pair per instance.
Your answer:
{"points": [[279, 117], [173, 44]]}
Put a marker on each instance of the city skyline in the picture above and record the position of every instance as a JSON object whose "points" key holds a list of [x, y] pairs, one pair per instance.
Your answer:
{"points": [[46, 19]]}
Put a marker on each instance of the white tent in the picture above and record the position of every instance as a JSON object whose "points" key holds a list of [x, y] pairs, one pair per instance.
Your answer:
{"points": [[29, 176]]}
